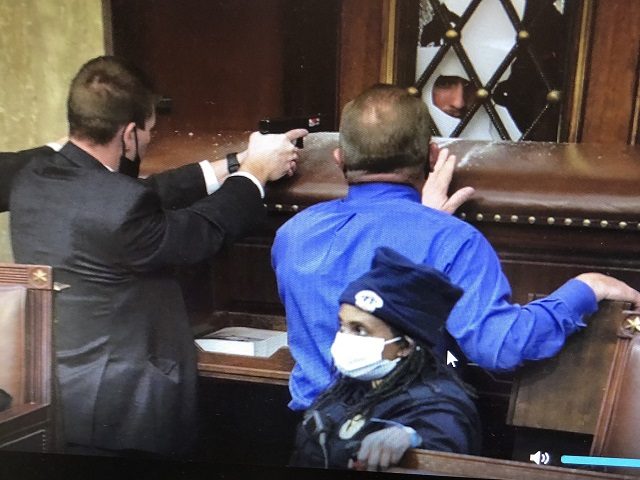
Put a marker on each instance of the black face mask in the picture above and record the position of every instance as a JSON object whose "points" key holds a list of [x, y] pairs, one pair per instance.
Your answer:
{"points": [[128, 167]]}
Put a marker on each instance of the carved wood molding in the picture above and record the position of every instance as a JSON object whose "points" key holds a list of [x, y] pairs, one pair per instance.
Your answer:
{"points": [[37, 277], [583, 33]]}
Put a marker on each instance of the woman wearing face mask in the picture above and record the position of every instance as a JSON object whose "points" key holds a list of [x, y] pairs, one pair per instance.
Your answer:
{"points": [[394, 393]]}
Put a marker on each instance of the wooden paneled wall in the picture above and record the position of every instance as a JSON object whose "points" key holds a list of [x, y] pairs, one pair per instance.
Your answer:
{"points": [[362, 37], [220, 62], [374, 36], [612, 92], [229, 63]]}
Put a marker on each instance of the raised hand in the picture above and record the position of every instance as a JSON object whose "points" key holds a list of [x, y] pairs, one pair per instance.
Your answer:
{"points": [[436, 188]]}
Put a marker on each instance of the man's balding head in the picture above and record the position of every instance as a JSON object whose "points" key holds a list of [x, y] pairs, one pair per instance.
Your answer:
{"points": [[383, 130]]}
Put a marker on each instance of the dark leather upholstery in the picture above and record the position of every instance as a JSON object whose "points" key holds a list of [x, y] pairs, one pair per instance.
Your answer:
{"points": [[577, 181]]}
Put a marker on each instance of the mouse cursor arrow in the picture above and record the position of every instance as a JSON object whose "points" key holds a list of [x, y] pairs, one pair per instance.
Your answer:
{"points": [[451, 359]]}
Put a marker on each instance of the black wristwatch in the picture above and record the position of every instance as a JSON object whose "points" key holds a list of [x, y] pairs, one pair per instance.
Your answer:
{"points": [[232, 162]]}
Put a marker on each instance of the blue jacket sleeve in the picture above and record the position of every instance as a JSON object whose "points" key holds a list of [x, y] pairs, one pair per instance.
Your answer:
{"points": [[497, 334]]}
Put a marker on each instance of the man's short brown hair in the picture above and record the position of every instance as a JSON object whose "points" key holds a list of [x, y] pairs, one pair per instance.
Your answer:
{"points": [[383, 129], [106, 94]]}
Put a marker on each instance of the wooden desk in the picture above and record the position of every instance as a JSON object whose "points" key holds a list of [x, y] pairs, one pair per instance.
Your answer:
{"points": [[417, 461], [273, 370]]}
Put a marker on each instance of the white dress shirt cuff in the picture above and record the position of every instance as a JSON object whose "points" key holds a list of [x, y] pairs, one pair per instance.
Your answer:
{"points": [[210, 178], [54, 146], [252, 178]]}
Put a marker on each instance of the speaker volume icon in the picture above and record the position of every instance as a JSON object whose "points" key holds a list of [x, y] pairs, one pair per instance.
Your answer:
{"points": [[540, 457]]}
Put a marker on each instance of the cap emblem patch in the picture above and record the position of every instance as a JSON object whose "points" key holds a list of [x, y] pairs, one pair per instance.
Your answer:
{"points": [[368, 300]]}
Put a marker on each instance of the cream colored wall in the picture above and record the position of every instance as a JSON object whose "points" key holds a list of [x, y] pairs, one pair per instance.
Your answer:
{"points": [[42, 44]]}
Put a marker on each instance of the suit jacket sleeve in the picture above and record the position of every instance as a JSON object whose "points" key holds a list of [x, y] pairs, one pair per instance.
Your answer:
{"points": [[180, 187], [10, 164], [152, 237]]}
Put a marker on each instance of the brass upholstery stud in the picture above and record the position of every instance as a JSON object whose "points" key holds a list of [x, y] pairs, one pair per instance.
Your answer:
{"points": [[554, 96], [622, 225], [568, 221], [531, 220], [278, 206], [514, 218], [497, 217], [451, 34], [586, 222], [482, 94], [463, 215], [523, 35], [479, 217], [413, 91], [551, 220], [604, 224]]}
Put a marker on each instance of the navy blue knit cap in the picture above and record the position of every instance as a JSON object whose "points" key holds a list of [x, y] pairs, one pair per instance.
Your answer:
{"points": [[414, 299]]}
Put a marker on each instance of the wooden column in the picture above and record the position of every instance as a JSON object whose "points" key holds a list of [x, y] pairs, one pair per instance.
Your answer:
{"points": [[611, 99], [362, 41]]}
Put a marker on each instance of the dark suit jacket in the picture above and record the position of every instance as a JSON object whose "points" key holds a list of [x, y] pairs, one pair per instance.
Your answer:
{"points": [[125, 355], [10, 165]]}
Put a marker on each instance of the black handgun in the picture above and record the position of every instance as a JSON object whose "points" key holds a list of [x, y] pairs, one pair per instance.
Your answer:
{"points": [[312, 123]]}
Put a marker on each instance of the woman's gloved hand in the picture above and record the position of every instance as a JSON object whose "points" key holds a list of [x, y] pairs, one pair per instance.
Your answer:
{"points": [[382, 449]]}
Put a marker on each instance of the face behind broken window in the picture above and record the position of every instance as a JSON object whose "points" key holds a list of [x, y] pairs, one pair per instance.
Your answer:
{"points": [[492, 69]]}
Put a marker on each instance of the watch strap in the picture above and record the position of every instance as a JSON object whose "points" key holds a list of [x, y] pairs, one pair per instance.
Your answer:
{"points": [[232, 162]]}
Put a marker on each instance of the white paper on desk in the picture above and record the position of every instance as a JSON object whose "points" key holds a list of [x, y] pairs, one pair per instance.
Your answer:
{"points": [[255, 342]]}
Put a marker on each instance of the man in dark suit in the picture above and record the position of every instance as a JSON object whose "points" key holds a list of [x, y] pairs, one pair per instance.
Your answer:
{"points": [[126, 362]]}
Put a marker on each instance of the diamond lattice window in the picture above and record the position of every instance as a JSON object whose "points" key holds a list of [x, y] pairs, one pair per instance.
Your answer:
{"points": [[492, 69]]}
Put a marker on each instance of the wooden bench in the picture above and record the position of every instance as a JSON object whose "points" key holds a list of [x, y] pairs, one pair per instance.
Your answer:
{"points": [[26, 358]]}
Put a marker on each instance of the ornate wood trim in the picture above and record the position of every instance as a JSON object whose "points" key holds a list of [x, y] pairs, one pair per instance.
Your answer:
{"points": [[617, 420], [36, 277], [582, 40], [634, 137], [389, 22], [107, 27], [35, 414]]}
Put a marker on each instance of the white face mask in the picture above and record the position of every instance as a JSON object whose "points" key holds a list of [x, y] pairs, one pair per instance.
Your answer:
{"points": [[361, 357]]}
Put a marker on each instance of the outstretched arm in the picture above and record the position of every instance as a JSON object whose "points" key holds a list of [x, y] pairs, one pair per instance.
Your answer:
{"points": [[500, 335]]}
